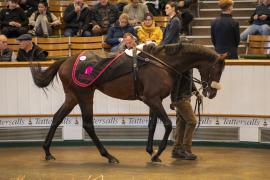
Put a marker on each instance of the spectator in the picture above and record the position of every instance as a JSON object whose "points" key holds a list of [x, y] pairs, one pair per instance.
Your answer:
{"points": [[29, 6], [43, 21], [225, 31], [77, 17], [104, 15], [116, 32], [172, 31], [13, 21], [136, 12], [260, 20], [5, 52], [186, 15], [29, 50], [148, 32], [129, 42], [153, 7]]}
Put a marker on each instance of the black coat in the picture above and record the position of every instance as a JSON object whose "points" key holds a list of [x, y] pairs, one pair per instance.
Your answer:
{"points": [[172, 31], [35, 54], [17, 15], [6, 55], [225, 35], [72, 20], [183, 86]]}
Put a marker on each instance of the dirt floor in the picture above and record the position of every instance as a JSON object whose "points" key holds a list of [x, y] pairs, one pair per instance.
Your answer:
{"points": [[85, 163]]}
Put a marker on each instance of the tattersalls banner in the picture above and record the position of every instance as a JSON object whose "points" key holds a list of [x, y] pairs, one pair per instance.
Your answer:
{"points": [[132, 121]]}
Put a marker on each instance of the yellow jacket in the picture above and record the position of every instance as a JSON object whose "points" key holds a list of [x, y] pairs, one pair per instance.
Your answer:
{"points": [[153, 33]]}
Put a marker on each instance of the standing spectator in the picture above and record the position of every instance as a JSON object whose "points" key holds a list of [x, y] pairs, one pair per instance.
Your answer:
{"points": [[13, 21], [172, 31], [136, 12], [225, 31], [29, 6], [43, 20], [104, 15], [29, 51], [77, 17], [260, 20], [5, 52], [116, 32], [148, 32]]}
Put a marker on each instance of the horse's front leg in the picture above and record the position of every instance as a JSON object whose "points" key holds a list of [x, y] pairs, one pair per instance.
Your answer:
{"points": [[86, 106], [152, 127], [156, 105], [58, 117]]}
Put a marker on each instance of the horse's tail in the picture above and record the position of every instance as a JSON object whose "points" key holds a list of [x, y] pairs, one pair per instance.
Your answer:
{"points": [[42, 78]]}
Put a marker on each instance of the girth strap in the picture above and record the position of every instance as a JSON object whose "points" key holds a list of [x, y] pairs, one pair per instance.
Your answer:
{"points": [[135, 73]]}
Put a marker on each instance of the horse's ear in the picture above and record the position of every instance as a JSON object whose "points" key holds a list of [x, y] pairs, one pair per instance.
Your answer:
{"points": [[223, 56]]}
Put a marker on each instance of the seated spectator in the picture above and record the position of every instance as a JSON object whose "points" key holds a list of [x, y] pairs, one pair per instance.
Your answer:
{"points": [[104, 15], [29, 51], [260, 20], [148, 32], [185, 14], [13, 21], [129, 42], [29, 6], [77, 17], [225, 31], [153, 7], [116, 32], [43, 21], [5, 52], [136, 12]]}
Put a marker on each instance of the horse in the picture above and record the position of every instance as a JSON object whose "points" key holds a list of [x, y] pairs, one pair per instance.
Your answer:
{"points": [[155, 82]]}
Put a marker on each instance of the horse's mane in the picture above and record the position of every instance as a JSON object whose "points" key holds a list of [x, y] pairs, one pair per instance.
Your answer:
{"points": [[172, 49]]}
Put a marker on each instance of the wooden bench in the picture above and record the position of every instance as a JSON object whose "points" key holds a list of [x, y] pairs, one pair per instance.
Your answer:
{"points": [[258, 47], [57, 48], [161, 21], [78, 44]]}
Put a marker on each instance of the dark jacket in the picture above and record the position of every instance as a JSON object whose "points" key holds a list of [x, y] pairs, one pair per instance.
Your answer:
{"points": [[6, 55], [261, 10], [105, 16], [77, 21], [172, 31], [8, 15], [225, 35], [36, 54], [183, 86], [29, 7], [116, 31]]}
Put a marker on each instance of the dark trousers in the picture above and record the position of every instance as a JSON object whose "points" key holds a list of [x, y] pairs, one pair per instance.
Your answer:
{"points": [[75, 32], [13, 32]]}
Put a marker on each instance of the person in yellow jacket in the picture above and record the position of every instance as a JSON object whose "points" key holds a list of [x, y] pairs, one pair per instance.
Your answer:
{"points": [[148, 32]]}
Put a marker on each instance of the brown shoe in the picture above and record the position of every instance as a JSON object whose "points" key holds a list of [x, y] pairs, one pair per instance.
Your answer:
{"points": [[183, 154], [189, 156]]}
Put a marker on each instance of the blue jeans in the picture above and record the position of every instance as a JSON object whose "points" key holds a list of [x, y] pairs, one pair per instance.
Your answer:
{"points": [[72, 32], [255, 29]]}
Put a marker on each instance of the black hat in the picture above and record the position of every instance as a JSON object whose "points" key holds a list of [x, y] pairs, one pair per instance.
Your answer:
{"points": [[24, 37]]}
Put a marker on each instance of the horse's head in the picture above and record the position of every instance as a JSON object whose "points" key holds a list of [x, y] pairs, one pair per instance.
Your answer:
{"points": [[210, 76]]}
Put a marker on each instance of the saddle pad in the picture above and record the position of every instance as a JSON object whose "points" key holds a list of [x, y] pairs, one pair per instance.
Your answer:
{"points": [[88, 67]]}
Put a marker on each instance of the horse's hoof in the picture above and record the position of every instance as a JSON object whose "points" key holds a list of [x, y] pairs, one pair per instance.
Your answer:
{"points": [[156, 159], [49, 157], [114, 161]]}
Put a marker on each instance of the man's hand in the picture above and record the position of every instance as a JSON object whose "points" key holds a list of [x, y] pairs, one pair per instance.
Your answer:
{"points": [[77, 9], [255, 17], [172, 106], [263, 17]]}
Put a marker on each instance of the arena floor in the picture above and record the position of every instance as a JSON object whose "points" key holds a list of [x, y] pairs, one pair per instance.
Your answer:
{"points": [[84, 163]]}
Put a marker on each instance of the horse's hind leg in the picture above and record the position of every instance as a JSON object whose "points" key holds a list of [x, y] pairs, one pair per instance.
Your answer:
{"points": [[152, 127], [58, 117], [156, 105], [88, 124]]}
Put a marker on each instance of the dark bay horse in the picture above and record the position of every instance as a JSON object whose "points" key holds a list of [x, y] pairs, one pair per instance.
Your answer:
{"points": [[154, 85]]}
